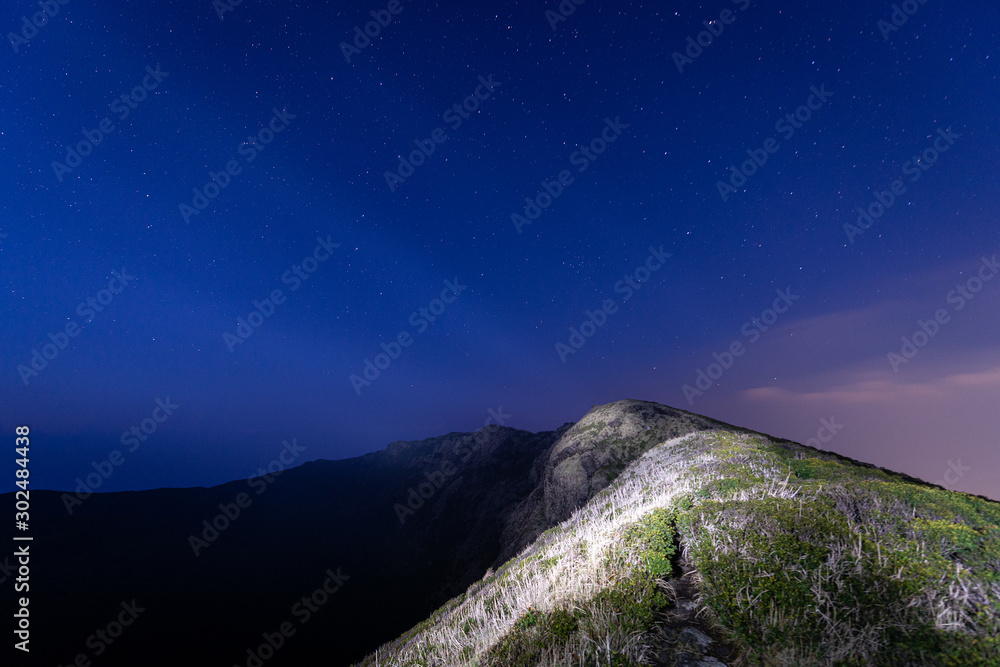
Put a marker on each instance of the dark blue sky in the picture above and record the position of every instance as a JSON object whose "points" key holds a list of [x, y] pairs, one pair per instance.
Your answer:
{"points": [[597, 100]]}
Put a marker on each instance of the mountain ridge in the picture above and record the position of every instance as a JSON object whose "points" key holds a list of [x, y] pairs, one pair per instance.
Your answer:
{"points": [[853, 564], [482, 499]]}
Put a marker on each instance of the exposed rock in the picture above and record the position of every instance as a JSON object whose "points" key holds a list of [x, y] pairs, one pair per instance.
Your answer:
{"points": [[695, 638], [589, 456]]}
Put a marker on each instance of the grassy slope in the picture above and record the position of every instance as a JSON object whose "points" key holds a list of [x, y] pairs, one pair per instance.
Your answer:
{"points": [[801, 557]]}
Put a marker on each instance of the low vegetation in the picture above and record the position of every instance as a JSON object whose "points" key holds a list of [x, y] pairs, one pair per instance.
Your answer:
{"points": [[797, 557]]}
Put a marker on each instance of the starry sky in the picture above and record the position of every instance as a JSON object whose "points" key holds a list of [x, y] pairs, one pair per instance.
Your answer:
{"points": [[225, 226]]}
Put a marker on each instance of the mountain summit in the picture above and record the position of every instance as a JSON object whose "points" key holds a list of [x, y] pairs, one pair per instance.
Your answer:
{"points": [[640, 535], [681, 541]]}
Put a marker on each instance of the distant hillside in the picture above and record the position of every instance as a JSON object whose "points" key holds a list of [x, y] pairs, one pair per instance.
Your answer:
{"points": [[247, 578], [725, 547]]}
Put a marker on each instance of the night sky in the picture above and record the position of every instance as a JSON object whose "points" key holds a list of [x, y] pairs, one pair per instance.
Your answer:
{"points": [[269, 227]]}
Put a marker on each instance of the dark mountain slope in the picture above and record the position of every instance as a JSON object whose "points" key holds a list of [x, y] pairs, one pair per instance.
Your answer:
{"points": [[297, 525]]}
